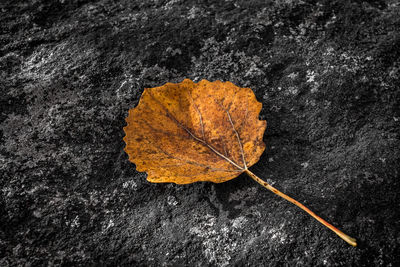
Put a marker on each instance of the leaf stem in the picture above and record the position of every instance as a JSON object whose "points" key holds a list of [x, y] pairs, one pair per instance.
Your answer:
{"points": [[342, 235]]}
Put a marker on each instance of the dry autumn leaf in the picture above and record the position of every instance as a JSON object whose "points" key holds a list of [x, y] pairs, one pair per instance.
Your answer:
{"points": [[207, 131]]}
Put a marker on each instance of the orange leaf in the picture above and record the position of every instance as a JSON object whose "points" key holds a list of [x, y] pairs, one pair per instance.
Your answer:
{"points": [[207, 131], [189, 132]]}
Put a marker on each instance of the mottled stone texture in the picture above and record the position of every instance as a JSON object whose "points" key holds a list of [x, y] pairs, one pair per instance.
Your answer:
{"points": [[327, 72]]}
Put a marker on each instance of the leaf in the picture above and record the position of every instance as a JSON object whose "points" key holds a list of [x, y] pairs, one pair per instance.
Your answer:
{"points": [[207, 131], [188, 132]]}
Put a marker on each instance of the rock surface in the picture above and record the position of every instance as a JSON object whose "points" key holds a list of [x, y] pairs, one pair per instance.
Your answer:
{"points": [[327, 72]]}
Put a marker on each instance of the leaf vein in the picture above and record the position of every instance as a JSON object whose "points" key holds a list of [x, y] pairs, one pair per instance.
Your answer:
{"points": [[172, 117]]}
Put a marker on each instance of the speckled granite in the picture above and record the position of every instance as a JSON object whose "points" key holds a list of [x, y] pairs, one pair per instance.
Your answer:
{"points": [[326, 71]]}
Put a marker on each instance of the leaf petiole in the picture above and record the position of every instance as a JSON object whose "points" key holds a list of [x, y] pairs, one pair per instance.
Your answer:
{"points": [[342, 235]]}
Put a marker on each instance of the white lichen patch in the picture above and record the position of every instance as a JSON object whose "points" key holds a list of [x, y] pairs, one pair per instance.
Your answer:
{"points": [[107, 225], [75, 223], [40, 65], [333, 63], [220, 241], [310, 77], [215, 62], [194, 12], [293, 75], [239, 222], [304, 164], [173, 52], [277, 234], [254, 70], [131, 184], [293, 90], [171, 200], [170, 4]]}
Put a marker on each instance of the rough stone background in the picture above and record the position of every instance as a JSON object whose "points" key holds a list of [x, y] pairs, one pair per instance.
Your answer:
{"points": [[327, 72]]}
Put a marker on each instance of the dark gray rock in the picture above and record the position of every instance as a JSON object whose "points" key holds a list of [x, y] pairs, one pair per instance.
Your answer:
{"points": [[326, 71]]}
